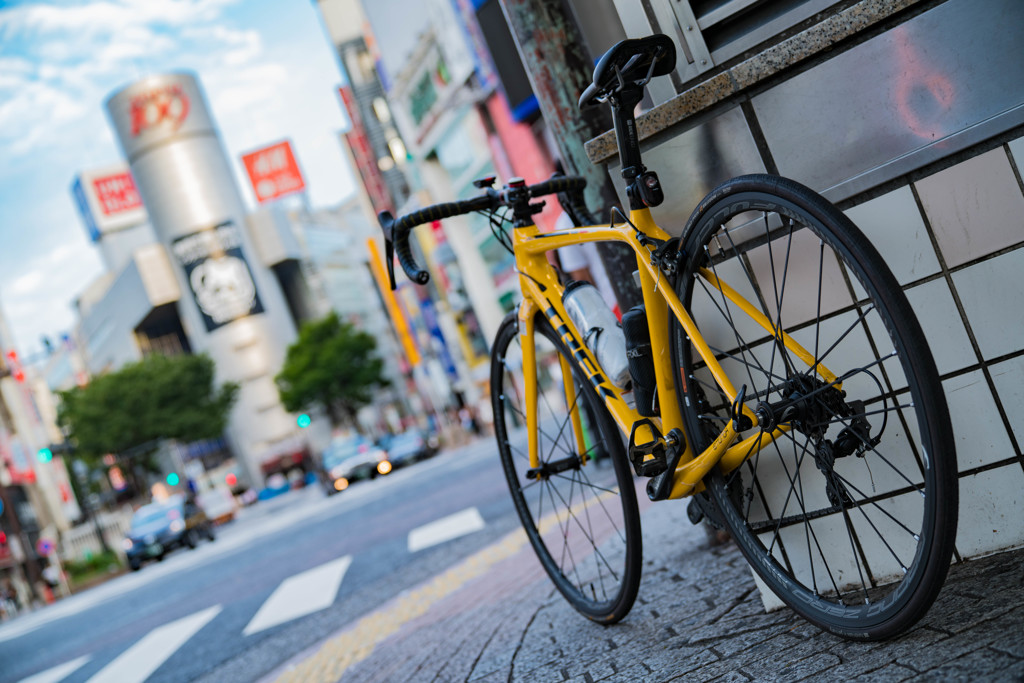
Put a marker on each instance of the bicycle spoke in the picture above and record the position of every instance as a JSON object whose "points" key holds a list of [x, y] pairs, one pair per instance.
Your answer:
{"points": [[592, 555]]}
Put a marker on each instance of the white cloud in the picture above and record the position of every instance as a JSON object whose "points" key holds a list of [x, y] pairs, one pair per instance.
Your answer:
{"points": [[29, 299], [32, 111], [106, 18], [27, 283], [59, 63]]}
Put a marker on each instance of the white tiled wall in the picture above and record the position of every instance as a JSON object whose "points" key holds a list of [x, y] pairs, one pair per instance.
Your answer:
{"points": [[947, 338], [974, 213], [990, 511], [894, 225], [975, 207], [1008, 377], [993, 296], [981, 438]]}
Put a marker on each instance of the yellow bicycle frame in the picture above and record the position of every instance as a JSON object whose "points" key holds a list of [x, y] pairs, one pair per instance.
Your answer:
{"points": [[542, 294]]}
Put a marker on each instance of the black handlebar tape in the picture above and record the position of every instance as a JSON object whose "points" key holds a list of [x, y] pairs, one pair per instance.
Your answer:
{"points": [[559, 184], [408, 263], [401, 228], [435, 212]]}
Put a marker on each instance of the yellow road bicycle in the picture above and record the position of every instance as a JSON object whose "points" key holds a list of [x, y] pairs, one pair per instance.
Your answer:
{"points": [[775, 375]]}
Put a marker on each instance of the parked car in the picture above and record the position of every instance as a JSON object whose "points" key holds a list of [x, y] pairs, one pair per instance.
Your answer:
{"points": [[408, 447], [160, 527], [218, 504], [350, 458]]}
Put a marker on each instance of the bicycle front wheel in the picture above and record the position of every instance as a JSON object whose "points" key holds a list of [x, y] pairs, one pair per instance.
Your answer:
{"points": [[845, 504], [579, 506]]}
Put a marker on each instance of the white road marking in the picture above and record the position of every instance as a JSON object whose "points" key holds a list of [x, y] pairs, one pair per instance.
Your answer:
{"points": [[299, 595], [307, 506], [59, 672], [445, 529], [138, 662]]}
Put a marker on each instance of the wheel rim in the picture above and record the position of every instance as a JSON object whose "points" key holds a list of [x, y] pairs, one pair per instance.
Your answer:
{"points": [[838, 513], [575, 514]]}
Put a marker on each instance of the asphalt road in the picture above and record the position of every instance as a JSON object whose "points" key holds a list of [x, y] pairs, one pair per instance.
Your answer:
{"points": [[233, 610]]}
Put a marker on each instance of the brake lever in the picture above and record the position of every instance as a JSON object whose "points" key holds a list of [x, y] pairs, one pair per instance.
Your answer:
{"points": [[387, 224]]}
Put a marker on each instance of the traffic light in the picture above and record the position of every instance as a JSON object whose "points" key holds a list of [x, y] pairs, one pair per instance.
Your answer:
{"points": [[231, 479], [303, 420], [44, 455], [173, 479]]}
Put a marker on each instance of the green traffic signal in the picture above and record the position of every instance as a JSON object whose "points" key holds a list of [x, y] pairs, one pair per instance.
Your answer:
{"points": [[44, 455], [303, 421], [173, 479]]}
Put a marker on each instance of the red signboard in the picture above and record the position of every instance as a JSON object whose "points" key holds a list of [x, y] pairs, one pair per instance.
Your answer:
{"points": [[166, 105], [116, 193], [273, 171]]}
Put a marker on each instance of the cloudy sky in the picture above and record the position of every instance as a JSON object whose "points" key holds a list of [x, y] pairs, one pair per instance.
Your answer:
{"points": [[267, 69]]}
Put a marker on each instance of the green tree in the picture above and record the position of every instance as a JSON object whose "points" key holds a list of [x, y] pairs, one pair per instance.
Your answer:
{"points": [[160, 397], [332, 365]]}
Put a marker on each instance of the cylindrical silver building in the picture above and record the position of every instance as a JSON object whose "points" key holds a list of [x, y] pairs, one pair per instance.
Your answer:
{"points": [[232, 307]]}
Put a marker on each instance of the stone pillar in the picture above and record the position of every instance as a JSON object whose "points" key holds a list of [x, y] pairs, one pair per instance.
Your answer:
{"points": [[554, 55]]}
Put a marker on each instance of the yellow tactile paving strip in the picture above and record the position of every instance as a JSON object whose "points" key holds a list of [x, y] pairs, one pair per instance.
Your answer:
{"points": [[357, 643]]}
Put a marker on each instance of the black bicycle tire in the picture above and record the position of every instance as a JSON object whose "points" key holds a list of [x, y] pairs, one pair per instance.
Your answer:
{"points": [[604, 612], [918, 590]]}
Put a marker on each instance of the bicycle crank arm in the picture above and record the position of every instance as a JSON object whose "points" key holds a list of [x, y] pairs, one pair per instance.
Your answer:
{"points": [[687, 480]]}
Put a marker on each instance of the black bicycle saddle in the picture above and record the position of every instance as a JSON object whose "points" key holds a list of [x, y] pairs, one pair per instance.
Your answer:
{"points": [[632, 59]]}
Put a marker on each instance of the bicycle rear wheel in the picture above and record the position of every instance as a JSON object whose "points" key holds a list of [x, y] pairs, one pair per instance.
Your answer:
{"points": [[849, 514], [579, 507]]}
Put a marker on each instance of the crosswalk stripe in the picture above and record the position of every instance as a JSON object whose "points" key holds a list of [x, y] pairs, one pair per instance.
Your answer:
{"points": [[139, 661], [59, 672], [445, 529], [299, 595]]}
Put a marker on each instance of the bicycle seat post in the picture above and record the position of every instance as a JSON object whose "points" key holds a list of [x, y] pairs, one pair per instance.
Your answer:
{"points": [[619, 79], [642, 186], [623, 103]]}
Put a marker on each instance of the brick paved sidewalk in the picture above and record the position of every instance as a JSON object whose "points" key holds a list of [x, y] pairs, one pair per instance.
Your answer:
{"points": [[496, 617]]}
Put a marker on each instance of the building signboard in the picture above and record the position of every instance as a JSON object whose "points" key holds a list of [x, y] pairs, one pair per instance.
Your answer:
{"points": [[108, 200], [273, 171], [218, 274], [116, 193]]}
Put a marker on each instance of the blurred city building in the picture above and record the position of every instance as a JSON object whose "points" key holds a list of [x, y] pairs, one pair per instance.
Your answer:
{"points": [[36, 498], [316, 260], [426, 96]]}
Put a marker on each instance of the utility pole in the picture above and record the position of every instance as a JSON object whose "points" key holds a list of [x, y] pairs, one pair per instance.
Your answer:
{"points": [[555, 57]]}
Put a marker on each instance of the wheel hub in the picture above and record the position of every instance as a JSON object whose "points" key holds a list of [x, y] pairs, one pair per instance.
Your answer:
{"points": [[546, 469], [808, 406]]}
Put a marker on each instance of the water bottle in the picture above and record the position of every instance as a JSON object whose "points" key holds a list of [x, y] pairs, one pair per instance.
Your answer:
{"points": [[600, 329]]}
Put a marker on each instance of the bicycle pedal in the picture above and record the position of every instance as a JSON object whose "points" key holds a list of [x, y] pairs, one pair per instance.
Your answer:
{"points": [[695, 512], [649, 457]]}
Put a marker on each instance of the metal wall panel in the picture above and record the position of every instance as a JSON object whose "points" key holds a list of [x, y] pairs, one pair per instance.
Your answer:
{"points": [[936, 84], [692, 163]]}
